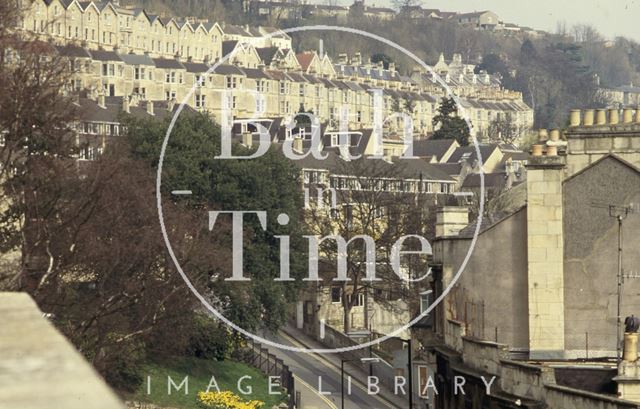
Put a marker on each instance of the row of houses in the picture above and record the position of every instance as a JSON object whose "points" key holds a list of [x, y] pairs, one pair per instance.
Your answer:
{"points": [[284, 84], [256, 73], [107, 25]]}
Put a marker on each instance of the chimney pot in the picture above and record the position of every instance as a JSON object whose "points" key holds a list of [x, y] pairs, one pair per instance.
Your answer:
{"points": [[575, 117], [630, 353], [601, 117], [555, 135], [542, 135], [297, 145], [150, 107], [450, 220], [614, 116], [588, 117], [627, 116], [552, 150], [637, 115], [536, 150]]}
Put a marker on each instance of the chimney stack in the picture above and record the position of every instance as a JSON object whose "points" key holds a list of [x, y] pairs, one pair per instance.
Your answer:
{"points": [[102, 103], [450, 220], [545, 256], [357, 59], [125, 104]]}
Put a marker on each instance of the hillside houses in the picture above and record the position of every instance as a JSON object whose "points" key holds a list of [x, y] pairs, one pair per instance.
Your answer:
{"points": [[131, 53]]}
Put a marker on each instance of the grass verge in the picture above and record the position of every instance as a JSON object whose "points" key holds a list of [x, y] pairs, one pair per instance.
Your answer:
{"points": [[200, 373]]}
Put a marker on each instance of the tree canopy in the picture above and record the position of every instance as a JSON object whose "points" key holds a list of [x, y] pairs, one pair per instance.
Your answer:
{"points": [[448, 124]]}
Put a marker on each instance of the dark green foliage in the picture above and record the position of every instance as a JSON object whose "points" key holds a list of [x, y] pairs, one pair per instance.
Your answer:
{"points": [[493, 64], [450, 125], [269, 183], [386, 60], [209, 339]]}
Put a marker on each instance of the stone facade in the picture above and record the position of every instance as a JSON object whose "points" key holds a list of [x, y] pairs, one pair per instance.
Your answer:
{"points": [[542, 281]]}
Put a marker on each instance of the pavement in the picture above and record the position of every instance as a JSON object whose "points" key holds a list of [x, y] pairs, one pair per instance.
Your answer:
{"points": [[318, 376]]}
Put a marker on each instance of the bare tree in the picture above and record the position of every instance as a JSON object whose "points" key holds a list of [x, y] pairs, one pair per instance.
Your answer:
{"points": [[504, 130], [376, 200]]}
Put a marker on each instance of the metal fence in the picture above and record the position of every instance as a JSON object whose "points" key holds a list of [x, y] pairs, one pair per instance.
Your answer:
{"points": [[269, 364]]}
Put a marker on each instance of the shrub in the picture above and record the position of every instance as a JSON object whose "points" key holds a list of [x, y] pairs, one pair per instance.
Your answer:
{"points": [[122, 368], [208, 339]]}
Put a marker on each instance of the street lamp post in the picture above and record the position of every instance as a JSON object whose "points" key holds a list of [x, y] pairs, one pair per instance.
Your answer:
{"points": [[342, 362], [410, 365]]}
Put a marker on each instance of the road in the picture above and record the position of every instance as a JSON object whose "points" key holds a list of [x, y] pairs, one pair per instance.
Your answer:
{"points": [[307, 368]]}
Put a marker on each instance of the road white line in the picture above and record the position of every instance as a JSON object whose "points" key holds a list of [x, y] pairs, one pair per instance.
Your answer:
{"points": [[331, 366], [324, 398]]}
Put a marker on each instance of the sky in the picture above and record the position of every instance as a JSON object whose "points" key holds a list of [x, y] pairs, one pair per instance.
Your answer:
{"points": [[612, 18]]}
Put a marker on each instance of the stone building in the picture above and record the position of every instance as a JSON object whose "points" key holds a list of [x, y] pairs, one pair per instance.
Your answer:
{"points": [[536, 303], [117, 51]]}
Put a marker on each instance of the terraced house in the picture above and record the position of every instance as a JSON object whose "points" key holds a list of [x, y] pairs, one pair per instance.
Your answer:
{"points": [[121, 52]]}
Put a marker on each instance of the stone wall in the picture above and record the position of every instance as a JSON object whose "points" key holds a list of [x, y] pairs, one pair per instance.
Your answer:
{"points": [[591, 236], [39, 368], [530, 382]]}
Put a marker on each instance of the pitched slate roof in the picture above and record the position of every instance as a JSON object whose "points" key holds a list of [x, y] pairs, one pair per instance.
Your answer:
{"points": [[432, 147], [102, 55], [137, 59], [267, 54], [73, 51], [255, 73], [228, 69], [228, 47], [166, 63], [406, 168], [491, 180], [469, 152], [196, 67]]}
